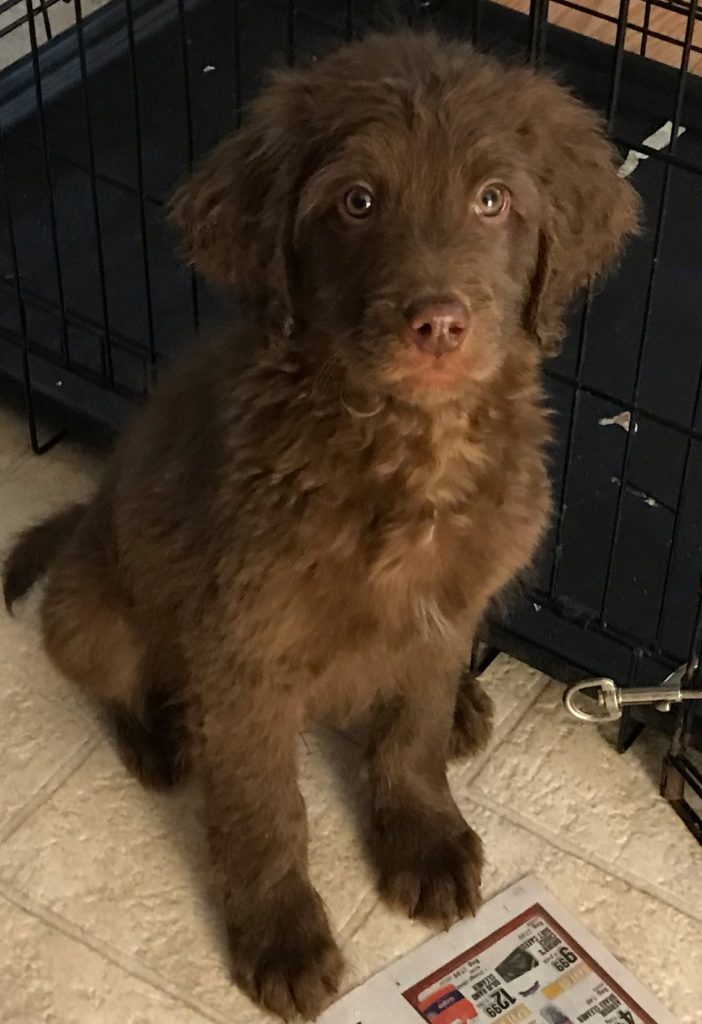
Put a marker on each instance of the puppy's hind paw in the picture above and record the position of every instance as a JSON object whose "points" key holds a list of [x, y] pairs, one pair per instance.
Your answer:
{"points": [[153, 746], [472, 719]]}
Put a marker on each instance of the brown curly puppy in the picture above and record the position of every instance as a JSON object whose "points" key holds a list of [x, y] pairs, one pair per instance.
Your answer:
{"points": [[317, 532]]}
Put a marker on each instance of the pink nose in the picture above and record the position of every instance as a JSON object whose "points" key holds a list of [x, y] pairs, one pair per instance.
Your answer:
{"points": [[437, 327]]}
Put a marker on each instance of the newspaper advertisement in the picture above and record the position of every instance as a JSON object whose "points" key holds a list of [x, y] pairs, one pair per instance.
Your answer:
{"points": [[523, 960]]}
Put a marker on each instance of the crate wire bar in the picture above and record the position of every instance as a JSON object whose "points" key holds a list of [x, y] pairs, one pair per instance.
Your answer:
{"points": [[104, 105]]}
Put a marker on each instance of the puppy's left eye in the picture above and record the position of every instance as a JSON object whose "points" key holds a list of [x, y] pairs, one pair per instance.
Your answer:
{"points": [[492, 200], [358, 202]]}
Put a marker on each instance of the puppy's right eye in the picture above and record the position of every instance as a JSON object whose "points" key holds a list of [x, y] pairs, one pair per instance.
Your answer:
{"points": [[358, 202], [492, 201]]}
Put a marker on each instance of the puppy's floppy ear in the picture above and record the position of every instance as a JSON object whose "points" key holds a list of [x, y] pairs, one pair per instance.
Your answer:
{"points": [[587, 210], [234, 211]]}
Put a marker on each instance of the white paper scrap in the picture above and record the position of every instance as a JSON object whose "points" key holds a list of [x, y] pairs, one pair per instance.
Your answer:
{"points": [[659, 140]]}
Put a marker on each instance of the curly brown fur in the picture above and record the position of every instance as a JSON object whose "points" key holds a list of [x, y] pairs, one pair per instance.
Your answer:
{"points": [[318, 534]]}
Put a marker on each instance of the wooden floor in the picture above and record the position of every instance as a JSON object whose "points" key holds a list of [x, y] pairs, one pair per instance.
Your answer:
{"points": [[658, 26], [666, 21]]}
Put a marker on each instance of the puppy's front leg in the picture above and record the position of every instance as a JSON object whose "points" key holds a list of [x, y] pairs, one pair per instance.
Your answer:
{"points": [[428, 859], [283, 953]]}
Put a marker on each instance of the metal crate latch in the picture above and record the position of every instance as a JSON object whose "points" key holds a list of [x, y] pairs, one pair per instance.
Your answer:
{"points": [[607, 700], [601, 700]]}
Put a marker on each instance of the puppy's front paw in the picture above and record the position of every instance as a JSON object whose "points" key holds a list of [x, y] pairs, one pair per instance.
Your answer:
{"points": [[288, 961], [429, 866]]}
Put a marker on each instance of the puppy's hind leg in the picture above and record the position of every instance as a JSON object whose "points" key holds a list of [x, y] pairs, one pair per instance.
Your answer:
{"points": [[86, 627], [153, 737], [91, 637], [472, 718]]}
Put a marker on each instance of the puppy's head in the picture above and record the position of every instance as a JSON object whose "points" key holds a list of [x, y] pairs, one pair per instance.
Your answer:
{"points": [[415, 209]]}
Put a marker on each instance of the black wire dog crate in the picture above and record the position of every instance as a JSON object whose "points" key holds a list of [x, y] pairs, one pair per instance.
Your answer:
{"points": [[98, 121]]}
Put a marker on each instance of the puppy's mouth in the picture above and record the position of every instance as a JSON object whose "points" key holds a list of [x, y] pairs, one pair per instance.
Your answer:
{"points": [[412, 368], [419, 370]]}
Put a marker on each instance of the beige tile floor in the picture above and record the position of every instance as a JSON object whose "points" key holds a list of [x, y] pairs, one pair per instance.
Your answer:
{"points": [[104, 911]]}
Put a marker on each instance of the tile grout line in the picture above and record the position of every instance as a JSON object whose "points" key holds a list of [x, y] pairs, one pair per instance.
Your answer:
{"points": [[135, 967], [563, 846], [353, 978], [130, 965], [365, 907], [47, 789]]}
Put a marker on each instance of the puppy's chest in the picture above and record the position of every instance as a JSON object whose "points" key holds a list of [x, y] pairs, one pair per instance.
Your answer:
{"points": [[421, 562], [460, 527], [418, 553]]}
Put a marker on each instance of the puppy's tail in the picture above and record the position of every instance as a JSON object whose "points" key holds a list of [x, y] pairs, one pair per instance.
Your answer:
{"points": [[34, 551]]}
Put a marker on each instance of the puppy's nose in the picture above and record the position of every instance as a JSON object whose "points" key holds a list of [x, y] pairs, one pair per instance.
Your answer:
{"points": [[437, 326]]}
